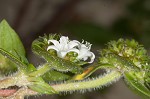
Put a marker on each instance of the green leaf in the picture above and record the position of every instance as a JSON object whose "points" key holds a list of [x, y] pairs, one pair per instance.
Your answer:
{"points": [[13, 59], [137, 85], [10, 42], [57, 63], [5, 68], [40, 86], [54, 76], [47, 73], [91, 69], [31, 68]]}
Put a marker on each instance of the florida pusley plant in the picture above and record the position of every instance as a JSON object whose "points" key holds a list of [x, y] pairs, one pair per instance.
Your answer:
{"points": [[68, 65]]}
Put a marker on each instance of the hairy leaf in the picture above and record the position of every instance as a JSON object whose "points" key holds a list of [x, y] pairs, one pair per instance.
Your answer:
{"points": [[40, 86], [55, 76], [137, 85], [57, 63]]}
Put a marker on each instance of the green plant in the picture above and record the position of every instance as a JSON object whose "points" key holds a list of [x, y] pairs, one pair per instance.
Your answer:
{"points": [[64, 60]]}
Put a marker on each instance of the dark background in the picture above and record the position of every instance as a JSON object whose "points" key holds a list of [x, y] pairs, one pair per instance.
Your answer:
{"points": [[97, 21]]}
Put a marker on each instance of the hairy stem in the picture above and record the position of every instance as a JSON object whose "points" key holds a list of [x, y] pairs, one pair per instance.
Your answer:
{"points": [[88, 84], [81, 85], [42, 70], [7, 92], [5, 83], [19, 80], [88, 71]]}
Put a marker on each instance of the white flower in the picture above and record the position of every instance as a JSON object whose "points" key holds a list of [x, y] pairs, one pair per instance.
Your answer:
{"points": [[63, 46], [84, 52]]}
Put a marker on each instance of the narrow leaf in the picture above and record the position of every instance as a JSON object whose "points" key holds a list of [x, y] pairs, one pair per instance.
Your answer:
{"points": [[54, 76], [91, 69], [137, 85], [40, 86], [13, 59]]}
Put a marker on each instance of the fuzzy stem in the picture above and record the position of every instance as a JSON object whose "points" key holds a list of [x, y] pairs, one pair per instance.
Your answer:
{"points": [[83, 85], [19, 80], [88, 71], [88, 84], [42, 70], [7, 92], [5, 83]]}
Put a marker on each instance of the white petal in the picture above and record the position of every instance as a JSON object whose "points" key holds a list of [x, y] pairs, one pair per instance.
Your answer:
{"points": [[92, 57], [55, 42], [85, 58], [64, 40], [83, 46], [76, 41], [73, 50], [64, 46], [61, 54], [83, 53], [64, 43], [52, 47], [72, 44]]}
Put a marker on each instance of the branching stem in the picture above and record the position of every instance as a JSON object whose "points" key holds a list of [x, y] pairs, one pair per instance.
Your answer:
{"points": [[85, 84], [45, 68]]}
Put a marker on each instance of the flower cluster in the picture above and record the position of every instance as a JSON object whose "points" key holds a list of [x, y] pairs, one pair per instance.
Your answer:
{"points": [[64, 46], [128, 49]]}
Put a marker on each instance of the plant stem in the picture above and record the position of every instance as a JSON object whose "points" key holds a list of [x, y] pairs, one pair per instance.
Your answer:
{"points": [[89, 84], [85, 84], [88, 71], [5, 83], [20, 79], [45, 68], [7, 92]]}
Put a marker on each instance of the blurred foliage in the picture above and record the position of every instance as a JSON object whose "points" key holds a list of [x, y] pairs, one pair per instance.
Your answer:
{"points": [[134, 25], [91, 32], [137, 21]]}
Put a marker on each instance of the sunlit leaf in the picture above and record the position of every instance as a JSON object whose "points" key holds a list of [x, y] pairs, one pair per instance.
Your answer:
{"points": [[10, 42], [12, 58]]}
